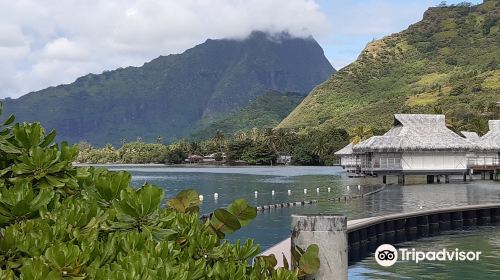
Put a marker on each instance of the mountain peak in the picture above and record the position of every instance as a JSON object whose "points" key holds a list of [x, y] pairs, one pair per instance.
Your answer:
{"points": [[170, 95]]}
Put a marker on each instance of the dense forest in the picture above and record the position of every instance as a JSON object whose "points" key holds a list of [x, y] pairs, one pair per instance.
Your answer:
{"points": [[254, 146]]}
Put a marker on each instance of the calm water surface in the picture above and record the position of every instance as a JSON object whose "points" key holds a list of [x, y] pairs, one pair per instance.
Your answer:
{"points": [[274, 226]]}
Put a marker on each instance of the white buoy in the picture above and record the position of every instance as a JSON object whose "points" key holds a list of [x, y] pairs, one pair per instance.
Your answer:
{"points": [[200, 197], [329, 189], [359, 187], [347, 187], [256, 193], [216, 195], [317, 189], [289, 192], [305, 190], [272, 192]]}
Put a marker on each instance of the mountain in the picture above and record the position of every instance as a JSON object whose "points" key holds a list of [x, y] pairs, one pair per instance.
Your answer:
{"points": [[170, 95], [447, 63], [266, 111]]}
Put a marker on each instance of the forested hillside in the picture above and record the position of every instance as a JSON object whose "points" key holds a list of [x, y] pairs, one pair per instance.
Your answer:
{"points": [[447, 63]]}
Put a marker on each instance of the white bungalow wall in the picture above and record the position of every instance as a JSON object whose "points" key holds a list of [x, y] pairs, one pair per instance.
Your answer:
{"points": [[348, 160], [434, 161]]}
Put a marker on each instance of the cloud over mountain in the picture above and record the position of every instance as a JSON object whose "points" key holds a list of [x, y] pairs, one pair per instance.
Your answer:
{"points": [[44, 43]]}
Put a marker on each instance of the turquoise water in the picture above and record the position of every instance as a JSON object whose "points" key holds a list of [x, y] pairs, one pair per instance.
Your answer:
{"points": [[271, 227]]}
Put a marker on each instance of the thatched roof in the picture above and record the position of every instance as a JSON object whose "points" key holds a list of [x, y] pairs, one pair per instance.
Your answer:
{"points": [[347, 150], [471, 136], [491, 140], [416, 132]]}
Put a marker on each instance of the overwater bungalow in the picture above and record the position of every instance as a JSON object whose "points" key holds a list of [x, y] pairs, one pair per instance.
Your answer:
{"points": [[487, 153], [348, 160], [418, 144]]}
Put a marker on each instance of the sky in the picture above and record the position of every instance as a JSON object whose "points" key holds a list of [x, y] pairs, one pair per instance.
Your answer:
{"points": [[50, 42]]}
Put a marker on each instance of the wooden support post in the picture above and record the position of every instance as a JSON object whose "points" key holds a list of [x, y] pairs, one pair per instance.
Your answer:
{"points": [[438, 178], [384, 179], [401, 179], [430, 179], [465, 177]]}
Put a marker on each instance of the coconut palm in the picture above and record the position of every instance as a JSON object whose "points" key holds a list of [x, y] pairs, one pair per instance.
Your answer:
{"points": [[478, 125], [321, 146], [255, 135], [360, 133], [282, 137], [269, 138], [241, 136], [455, 124], [219, 139]]}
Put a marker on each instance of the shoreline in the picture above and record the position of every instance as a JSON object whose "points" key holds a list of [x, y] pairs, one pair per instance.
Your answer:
{"points": [[194, 165]]}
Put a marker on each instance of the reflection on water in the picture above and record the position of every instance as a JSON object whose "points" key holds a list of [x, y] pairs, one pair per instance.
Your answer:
{"points": [[269, 228], [486, 240]]}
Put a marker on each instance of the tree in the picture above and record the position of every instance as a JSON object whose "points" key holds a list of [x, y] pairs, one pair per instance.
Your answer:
{"points": [[478, 125], [220, 140], [455, 124], [360, 133]]}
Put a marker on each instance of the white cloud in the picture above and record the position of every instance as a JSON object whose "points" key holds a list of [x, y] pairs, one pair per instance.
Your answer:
{"points": [[48, 42], [64, 49]]}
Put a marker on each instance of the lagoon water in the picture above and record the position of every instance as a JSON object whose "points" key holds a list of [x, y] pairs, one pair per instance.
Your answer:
{"points": [[271, 227]]}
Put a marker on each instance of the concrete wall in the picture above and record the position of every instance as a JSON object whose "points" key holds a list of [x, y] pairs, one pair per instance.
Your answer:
{"points": [[434, 161]]}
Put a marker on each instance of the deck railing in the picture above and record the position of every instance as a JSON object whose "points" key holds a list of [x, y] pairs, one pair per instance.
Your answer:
{"points": [[390, 163], [483, 161]]}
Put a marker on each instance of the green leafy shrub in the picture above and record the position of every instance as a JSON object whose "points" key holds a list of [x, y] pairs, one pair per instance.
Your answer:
{"points": [[58, 221]]}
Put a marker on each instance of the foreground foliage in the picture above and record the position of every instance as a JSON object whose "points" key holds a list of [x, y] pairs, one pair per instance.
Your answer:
{"points": [[57, 221]]}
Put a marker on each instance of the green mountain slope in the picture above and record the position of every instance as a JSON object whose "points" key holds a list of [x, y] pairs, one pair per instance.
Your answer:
{"points": [[449, 62], [266, 111], [168, 96]]}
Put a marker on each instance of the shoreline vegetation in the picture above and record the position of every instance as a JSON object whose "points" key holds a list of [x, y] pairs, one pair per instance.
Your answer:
{"points": [[309, 147]]}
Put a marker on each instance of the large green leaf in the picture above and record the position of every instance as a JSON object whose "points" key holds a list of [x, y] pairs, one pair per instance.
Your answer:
{"points": [[185, 201], [242, 211], [309, 262], [225, 222]]}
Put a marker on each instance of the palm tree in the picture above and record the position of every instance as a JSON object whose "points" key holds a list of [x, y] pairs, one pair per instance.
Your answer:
{"points": [[241, 136], [361, 133], [455, 124], [478, 125], [220, 140], [269, 138], [255, 134], [320, 148], [282, 137]]}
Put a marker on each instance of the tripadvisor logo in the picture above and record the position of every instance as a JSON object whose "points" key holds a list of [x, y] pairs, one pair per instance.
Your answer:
{"points": [[387, 255]]}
